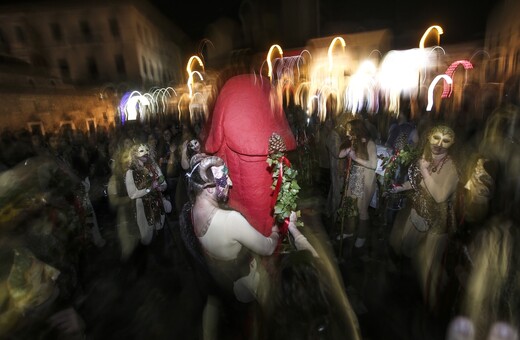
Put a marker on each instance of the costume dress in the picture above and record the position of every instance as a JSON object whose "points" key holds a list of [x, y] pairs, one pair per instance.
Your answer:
{"points": [[149, 205], [362, 181], [427, 225], [245, 116]]}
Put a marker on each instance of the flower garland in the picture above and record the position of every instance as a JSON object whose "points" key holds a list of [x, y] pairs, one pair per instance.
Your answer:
{"points": [[285, 185], [401, 159]]}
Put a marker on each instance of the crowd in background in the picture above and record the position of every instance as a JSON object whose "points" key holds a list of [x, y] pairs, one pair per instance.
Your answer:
{"points": [[64, 199]]}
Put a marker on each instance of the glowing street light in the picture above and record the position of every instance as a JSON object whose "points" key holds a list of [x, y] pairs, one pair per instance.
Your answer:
{"points": [[425, 35]]}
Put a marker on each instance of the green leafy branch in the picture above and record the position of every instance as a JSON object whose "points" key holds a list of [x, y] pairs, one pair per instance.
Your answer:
{"points": [[287, 200], [401, 159]]}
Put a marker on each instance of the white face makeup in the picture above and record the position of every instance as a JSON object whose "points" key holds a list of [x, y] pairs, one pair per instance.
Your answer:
{"points": [[194, 145]]}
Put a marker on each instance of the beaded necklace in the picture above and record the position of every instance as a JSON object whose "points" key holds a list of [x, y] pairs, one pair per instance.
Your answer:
{"points": [[437, 168]]}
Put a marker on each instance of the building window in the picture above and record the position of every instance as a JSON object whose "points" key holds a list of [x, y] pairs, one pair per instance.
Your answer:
{"points": [[114, 27], [63, 65], [92, 68], [20, 34], [85, 30], [56, 31], [120, 64], [91, 125], [36, 128], [67, 125]]}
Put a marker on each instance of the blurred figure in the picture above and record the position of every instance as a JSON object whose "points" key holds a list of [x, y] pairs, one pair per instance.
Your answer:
{"points": [[39, 148], [41, 238], [152, 144], [361, 184], [401, 133], [337, 172], [223, 241], [224, 244], [145, 184], [422, 230], [127, 230], [323, 156], [228, 240], [489, 268], [189, 148], [303, 305], [169, 161]]}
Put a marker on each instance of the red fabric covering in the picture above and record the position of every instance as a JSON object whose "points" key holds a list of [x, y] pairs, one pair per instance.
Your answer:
{"points": [[242, 122]]}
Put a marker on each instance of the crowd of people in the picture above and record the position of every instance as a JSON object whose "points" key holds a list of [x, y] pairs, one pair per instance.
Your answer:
{"points": [[153, 196]]}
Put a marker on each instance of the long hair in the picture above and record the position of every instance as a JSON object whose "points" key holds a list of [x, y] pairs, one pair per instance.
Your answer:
{"points": [[360, 137]]}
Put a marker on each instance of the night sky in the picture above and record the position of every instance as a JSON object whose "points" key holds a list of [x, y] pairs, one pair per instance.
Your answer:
{"points": [[462, 20]]}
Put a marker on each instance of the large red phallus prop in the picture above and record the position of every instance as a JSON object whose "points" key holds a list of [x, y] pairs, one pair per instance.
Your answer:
{"points": [[243, 120]]}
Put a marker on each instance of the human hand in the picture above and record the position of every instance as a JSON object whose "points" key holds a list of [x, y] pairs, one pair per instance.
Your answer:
{"points": [[275, 229], [396, 188], [344, 153], [293, 217], [173, 147], [423, 164]]}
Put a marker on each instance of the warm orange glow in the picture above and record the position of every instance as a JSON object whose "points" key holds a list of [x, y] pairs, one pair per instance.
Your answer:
{"points": [[331, 46], [268, 59], [190, 63], [436, 27]]}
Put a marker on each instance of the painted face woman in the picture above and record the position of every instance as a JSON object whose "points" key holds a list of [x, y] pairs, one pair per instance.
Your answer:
{"points": [[421, 230], [144, 184]]}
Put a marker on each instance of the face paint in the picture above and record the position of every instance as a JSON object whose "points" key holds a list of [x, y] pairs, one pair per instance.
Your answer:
{"points": [[194, 145], [220, 173]]}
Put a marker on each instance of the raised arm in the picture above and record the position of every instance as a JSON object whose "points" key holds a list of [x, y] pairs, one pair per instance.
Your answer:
{"points": [[300, 241], [249, 237]]}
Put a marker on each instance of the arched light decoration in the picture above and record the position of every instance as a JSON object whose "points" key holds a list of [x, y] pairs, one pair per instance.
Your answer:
{"points": [[122, 106], [331, 46], [432, 87], [269, 59], [135, 100], [191, 72], [423, 39], [448, 89]]}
